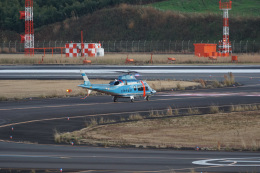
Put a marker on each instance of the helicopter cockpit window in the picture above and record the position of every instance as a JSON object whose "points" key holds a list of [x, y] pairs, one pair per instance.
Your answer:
{"points": [[140, 88], [146, 87], [116, 83]]}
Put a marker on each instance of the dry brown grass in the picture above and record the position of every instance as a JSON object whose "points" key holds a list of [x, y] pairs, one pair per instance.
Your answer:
{"points": [[160, 85], [57, 88], [242, 108], [42, 88], [119, 58], [7, 50], [37, 59], [57, 136], [218, 131], [213, 109], [180, 58], [135, 117], [193, 111], [169, 111]]}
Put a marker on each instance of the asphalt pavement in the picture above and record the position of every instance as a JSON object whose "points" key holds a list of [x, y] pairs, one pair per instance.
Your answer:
{"points": [[34, 121], [178, 72], [92, 159]]}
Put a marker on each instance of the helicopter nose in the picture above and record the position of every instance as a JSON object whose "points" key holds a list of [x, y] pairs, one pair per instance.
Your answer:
{"points": [[153, 91]]}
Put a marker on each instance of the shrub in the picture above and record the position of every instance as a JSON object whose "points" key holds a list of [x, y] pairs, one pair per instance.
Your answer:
{"points": [[216, 84], [176, 112], [169, 111], [203, 83], [226, 81], [179, 87], [134, 117], [101, 120], [193, 111], [213, 109], [231, 78], [92, 122], [122, 119], [2, 98], [57, 136]]}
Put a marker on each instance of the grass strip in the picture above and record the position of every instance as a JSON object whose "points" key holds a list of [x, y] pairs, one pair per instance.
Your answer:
{"points": [[186, 130]]}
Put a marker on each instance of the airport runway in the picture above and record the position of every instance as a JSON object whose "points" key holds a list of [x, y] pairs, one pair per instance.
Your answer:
{"points": [[91, 159], [35, 120], [109, 72]]}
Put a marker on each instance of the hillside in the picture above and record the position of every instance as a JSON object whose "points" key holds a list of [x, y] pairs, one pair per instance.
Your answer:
{"points": [[51, 11], [250, 8], [128, 22], [134, 22]]}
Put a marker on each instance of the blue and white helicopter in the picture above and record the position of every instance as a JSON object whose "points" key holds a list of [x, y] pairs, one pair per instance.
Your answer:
{"points": [[126, 86]]}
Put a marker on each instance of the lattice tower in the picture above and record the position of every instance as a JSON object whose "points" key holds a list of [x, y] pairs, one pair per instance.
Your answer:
{"points": [[224, 45], [28, 37]]}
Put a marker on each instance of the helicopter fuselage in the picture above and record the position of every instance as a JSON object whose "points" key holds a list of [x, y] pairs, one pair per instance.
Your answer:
{"points": [[126, 86]]}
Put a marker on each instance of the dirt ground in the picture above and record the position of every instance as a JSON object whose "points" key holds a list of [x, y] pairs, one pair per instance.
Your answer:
{"points": [[51, 88]]}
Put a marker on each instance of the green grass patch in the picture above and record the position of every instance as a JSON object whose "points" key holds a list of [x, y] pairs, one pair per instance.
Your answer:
{"points": [[239, 8]]}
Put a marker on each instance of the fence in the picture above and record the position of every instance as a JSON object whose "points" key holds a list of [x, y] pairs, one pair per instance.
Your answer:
{"points": [[136, 46]]}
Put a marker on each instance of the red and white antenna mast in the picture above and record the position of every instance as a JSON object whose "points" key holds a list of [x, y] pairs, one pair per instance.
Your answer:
{"points": [[28, 37], [224, 45]]}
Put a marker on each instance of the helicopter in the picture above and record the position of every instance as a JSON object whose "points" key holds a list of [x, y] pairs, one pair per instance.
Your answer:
{"points": [[125, 86]]}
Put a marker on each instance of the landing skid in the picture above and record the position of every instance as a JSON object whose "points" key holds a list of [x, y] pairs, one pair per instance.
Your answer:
{"points": [[115, 99]]}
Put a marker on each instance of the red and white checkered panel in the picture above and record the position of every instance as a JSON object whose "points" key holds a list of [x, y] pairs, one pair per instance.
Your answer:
{"points": [[88, 49], [71, 50], [98, 45]]}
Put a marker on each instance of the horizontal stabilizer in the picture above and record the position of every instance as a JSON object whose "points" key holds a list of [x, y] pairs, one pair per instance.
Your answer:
{"points": [[85, 77]]}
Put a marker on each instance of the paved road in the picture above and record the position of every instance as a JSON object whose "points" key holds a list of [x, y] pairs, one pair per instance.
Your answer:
{"points": [[124, 160], [28, 116], [35, 120]]}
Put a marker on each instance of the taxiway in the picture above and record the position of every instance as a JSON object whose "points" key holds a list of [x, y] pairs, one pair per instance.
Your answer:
{"points": [[34, 120]]}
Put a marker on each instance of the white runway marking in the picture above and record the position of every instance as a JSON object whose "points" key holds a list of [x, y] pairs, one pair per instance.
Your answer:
{"points": [[29, 156], [254, 94], [252, 161], [152, 71]]}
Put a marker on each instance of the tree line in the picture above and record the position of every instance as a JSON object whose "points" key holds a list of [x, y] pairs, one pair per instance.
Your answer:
{"points": [[51, 11]]}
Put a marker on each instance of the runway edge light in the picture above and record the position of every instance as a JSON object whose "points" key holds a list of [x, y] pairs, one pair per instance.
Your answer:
{"points": [[69, 90]]}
